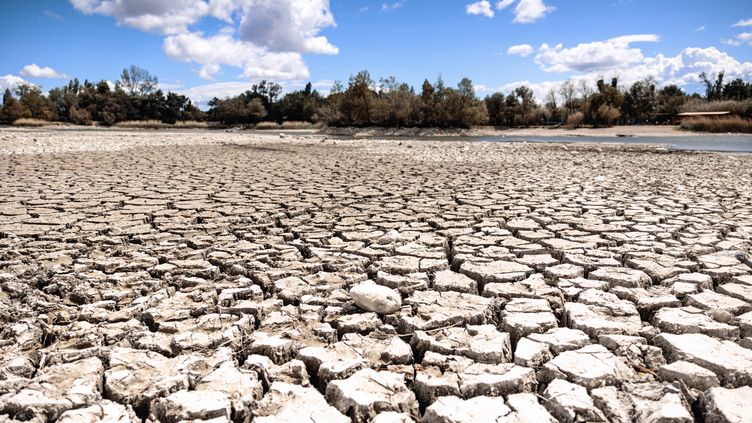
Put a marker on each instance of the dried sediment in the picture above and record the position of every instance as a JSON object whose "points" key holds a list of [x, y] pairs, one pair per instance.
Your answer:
{"points": [[226, 276]]}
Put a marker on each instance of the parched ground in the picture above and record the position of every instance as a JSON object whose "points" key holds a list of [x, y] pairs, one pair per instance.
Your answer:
{"points": [[172, 276]]}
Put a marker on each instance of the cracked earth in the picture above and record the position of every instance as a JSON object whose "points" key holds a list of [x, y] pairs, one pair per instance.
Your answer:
{"points": [[212, 276]]}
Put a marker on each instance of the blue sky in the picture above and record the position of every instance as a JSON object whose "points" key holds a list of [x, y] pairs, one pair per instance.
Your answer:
{"points": [[219, 47]]}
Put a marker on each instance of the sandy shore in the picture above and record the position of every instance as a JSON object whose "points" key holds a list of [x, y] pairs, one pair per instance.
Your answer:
{"points": [[168, 276]]}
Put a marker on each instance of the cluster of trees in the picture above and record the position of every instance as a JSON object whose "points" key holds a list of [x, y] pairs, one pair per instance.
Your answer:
{"points": [[134, 97], [388, 103]]}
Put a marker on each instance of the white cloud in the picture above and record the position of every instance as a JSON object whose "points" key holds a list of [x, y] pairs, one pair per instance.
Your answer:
{"points": [[503, 4], [529, 11], [743, 22], [682, 70], [288, 25], [201, 94], [10, 82], [35, 71], [593, 57], [526, 11], [700, 28], [522, 50], [739, 39], [385, 7], [263, 37], [222, 49], [482, 7]]}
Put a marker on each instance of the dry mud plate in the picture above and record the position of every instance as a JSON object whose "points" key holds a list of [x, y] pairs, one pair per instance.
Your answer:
{"points": [[156, 276]]}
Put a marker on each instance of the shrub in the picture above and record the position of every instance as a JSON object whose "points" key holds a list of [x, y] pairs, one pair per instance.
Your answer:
{"points": [[742, 108], [575, 120], [734, 124], [31, 122], [293, 124]]}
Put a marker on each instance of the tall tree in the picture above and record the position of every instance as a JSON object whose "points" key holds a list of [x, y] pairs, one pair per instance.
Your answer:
{"points": [[137, 81]]}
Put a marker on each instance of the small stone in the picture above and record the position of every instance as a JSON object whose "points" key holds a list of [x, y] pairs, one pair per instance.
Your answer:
{"points": [[376, 298]]}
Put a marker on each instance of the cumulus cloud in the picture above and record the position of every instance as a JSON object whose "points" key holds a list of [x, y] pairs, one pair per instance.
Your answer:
{"points": [[35, 71], [529, 11], [263, 37], [10, 82], [682, 69], [522, 50], [503, 4], [739, 39], [743, 22], [201, 94], [288, 25], [526, 11], [593, 57], [222, 49], [482, 8]]}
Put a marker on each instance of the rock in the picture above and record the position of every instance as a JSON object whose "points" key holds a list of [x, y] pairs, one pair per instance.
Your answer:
{"points": [[730, 362], [392, 417], [242, 388], [56, 389], [291, 403], [495, 380], [376, 298], [138, 377], [690, 374], [104, 411], [561, 339], [722, 405], [616, 405], [482, 343], [570, 403], [447, 280], [367, 393], [708, 300], [451, 409], [621, 276], [527, 409], [432, 310], [191, 405], [530, 353], [692, 320], [591, 366], [496, 271]]}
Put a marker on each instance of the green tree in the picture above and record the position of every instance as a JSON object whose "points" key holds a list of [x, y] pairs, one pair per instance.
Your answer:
{"points": [[11, 109], [495, 109]]}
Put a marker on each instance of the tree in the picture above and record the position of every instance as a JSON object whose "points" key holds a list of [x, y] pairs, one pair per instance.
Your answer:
{"points": [[137, 81], [11, 109], [495, 109], [713, 90], [358, 98], [567, 93], [640, 100], [34, 104]]}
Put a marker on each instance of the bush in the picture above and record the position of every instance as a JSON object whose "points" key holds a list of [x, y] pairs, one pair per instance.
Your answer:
{"points": [[293, 124], [734, 124], [158, 124], [575, 120], [31, 122], [741, 108]]}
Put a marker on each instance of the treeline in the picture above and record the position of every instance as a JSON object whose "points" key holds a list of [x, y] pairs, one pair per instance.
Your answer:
{"points": [[134, 97], [387, 103]]}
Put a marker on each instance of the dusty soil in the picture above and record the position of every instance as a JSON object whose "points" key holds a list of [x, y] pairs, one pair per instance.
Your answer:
{"points": [[172, 276]]}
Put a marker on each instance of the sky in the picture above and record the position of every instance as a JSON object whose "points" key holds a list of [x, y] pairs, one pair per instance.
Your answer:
{"points": [[218, 48]]}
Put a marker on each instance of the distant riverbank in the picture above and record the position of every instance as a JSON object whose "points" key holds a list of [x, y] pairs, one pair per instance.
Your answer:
{"points": [[614, 131]]}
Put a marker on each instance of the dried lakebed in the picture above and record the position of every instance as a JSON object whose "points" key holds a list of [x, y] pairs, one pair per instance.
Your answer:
{"points": [[167, 276]]}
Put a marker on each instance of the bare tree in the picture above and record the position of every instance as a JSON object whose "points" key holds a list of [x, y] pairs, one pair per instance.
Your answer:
{"points": [[567, 92], [137, 81]]}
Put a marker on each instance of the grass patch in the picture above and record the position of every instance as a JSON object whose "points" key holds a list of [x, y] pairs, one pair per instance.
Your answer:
{"points": [[733, 124], [293, 124], [158, 124], [32, 123]]}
